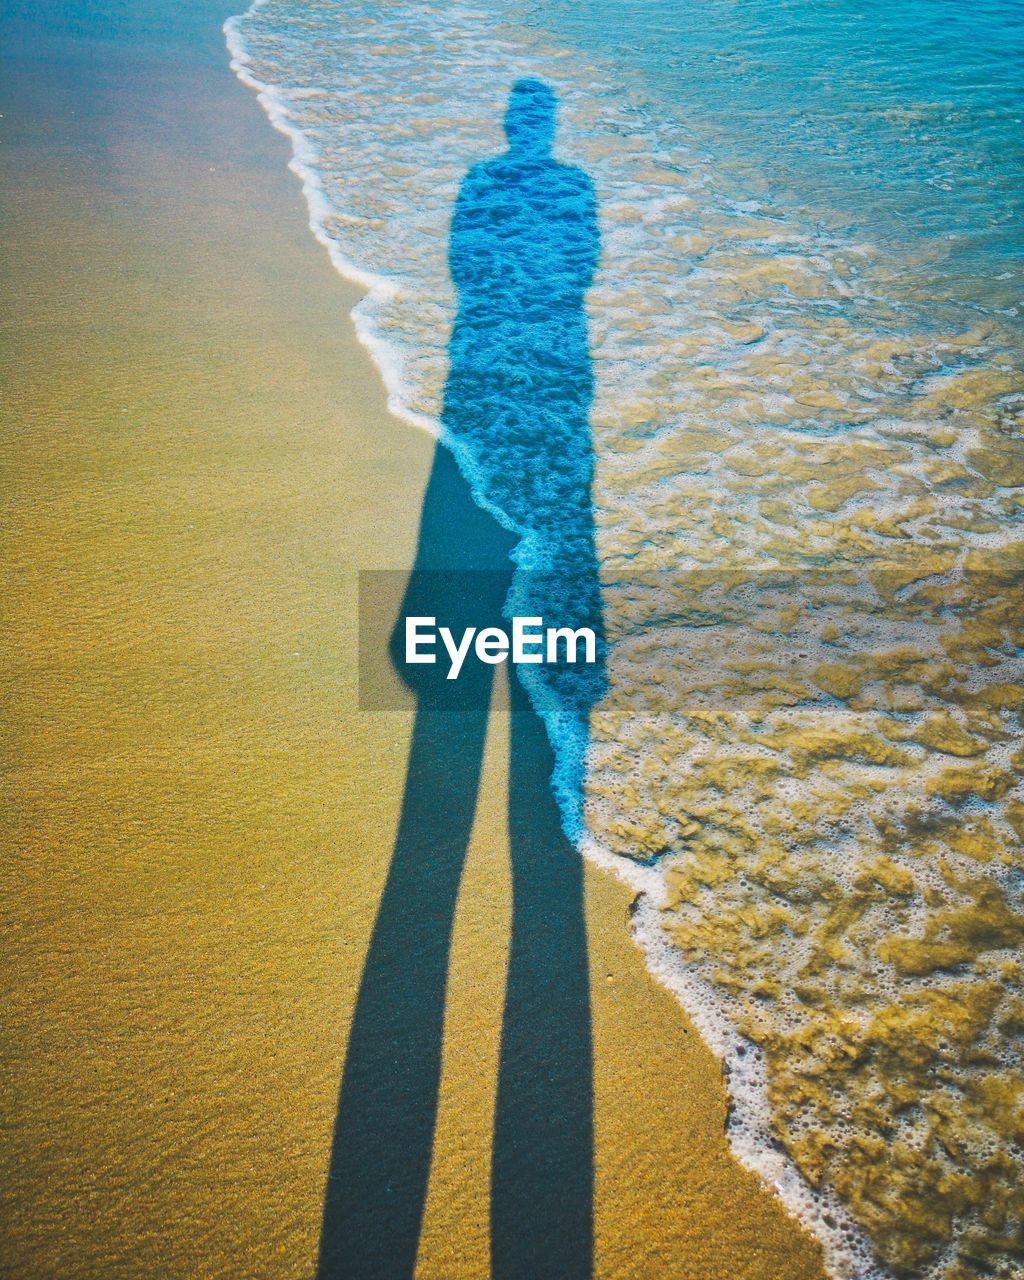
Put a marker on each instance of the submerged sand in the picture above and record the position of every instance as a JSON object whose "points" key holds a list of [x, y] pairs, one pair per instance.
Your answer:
{"points": [[198, 460]]}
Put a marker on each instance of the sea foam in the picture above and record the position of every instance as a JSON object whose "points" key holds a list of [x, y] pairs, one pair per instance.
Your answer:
{"points": [[807, 497]]}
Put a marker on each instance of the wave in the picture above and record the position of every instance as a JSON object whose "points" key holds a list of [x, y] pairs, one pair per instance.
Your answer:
{"points": [[807, 490]]}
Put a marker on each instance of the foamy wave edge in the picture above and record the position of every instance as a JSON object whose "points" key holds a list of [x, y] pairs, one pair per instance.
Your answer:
{"points": [[847, 1251]]}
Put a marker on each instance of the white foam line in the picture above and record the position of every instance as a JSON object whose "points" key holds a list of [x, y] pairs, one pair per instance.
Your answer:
{"points": [[378, 288], [847, 1251], [302, 164]]}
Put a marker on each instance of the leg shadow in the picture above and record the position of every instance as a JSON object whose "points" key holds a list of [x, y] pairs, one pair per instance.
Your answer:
{"points": [[383, 1135], [387, 1106], [542, 1182]]}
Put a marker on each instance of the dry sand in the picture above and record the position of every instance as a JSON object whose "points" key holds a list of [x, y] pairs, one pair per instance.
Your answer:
{"points": [[197, 459]]}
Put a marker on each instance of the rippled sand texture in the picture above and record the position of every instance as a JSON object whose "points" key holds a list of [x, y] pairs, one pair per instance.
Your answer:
{"points": [[809, 488]]}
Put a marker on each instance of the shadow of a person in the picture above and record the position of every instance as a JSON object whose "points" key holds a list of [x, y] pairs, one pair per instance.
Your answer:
{"points": [[522, 252]]}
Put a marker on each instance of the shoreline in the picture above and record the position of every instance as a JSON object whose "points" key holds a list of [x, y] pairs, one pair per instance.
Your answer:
{"points": [[203, 819], [846, 1248]]}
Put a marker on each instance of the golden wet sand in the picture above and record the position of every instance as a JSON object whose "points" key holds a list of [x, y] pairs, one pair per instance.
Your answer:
{"points": [[197, 459]]}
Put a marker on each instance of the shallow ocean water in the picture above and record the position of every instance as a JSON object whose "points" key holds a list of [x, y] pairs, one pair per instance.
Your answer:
{"points": [[806, 346]]}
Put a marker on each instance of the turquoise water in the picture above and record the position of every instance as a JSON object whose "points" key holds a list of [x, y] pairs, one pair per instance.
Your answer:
{"points": [[901, 123], [799, 354]]}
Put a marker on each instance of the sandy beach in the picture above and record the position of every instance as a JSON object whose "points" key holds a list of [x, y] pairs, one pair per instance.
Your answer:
{"points": [[198, 459]]}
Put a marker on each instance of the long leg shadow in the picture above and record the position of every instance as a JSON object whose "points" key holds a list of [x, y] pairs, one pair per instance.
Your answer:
{"points": [[384, 1130], [542, 1180]]}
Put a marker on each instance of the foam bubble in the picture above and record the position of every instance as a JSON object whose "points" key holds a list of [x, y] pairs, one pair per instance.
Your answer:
{"points": [[808, 759]]}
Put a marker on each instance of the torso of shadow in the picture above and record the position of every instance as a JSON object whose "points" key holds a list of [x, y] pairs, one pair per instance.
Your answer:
{"points": [[523, 250], [516, 412]]}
